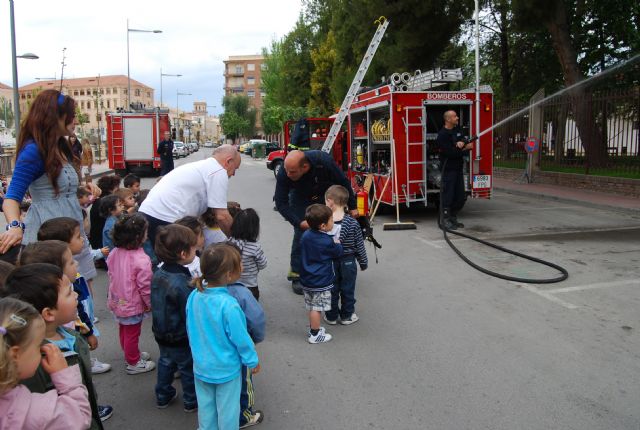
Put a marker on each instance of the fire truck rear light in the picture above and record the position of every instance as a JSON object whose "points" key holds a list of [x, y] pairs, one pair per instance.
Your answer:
{"points": [[398, 108]]}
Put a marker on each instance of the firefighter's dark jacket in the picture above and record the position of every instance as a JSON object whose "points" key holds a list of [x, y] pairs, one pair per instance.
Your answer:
{"points": [[446, 142], [310, 188]]}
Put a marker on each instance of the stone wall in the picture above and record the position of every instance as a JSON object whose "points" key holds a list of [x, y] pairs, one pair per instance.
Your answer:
{"points": [[621, 186]]}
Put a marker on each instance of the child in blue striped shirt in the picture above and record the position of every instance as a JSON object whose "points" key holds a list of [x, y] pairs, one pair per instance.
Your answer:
{"points": [[343, 298]]}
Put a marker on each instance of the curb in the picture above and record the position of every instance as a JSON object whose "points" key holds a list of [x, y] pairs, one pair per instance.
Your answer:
{"points": [[632, 211]]}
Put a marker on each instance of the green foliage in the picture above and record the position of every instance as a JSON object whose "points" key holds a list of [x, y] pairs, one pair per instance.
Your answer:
{"points": [[238, 118], [324, 58]]}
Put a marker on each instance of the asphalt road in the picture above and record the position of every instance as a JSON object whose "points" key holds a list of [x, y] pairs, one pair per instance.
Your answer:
{"points": [[439, 345]]}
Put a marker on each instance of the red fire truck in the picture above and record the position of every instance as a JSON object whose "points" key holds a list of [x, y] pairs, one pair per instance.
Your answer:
{"points": [[390, 137], [133, 138]]}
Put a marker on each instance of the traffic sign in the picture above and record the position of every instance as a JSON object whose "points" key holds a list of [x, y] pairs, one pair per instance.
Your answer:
{"points": [[531, 145]]}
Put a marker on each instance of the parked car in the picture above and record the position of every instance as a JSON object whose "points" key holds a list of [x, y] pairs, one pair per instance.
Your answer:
{"points": [[272, 146], [243, 147], [208, 144], [179, 150]]}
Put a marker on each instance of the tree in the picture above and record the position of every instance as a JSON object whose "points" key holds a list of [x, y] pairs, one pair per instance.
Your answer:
{"points": [[574, 27], [238, 119], [324, 58]]}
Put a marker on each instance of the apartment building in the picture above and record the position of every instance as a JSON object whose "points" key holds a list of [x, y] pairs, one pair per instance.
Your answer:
{"points": [[6, 105], [94, 96], [242, 76]]}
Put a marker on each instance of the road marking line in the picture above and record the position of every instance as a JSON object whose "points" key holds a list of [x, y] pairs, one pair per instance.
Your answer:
{"points": [[523, 210], [594, 286], [547, 296], [428, 242]]}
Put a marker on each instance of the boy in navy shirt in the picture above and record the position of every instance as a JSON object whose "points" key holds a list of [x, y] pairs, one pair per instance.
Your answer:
{"points": [[318, 250]]}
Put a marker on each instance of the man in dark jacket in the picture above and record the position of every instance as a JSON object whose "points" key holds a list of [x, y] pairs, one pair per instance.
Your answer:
{"points": [[452, 144], [165, 150], [303, 181]]}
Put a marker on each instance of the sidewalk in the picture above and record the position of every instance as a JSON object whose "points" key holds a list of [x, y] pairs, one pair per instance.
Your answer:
{"points": [[101, 169], [571, 195]]}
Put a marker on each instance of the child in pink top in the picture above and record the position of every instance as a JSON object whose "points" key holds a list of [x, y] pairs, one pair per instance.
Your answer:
{"points": [[130, 288], [22, 331]]}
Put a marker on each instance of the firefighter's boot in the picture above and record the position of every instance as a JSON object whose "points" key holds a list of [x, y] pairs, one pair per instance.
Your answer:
{"points": [[447, 221], [454, 220], [296, 286]]}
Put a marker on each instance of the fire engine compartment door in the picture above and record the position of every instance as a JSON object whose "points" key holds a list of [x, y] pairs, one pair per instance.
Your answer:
{"points": [[138, 139]]}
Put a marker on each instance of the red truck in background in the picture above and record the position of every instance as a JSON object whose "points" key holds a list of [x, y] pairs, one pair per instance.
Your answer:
{"points": [[133, 138]]}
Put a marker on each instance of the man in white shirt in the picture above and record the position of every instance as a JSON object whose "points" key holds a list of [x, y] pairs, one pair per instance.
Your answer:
{"points": [[192, 188]]}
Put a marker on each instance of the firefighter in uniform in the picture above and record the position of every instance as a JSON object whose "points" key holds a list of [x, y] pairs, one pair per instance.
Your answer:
{"points": [[303, 181], [165, 150], [453, 145]]}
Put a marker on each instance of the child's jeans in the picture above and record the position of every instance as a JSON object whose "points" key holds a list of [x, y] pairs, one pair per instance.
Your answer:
{"points": [[247, 396], [129, 336], [172, 359], [218, 406], [343, 293]]}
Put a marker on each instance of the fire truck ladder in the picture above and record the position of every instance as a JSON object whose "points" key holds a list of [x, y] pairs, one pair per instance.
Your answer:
{"points": [[414, 164], [355, 85], [117, 137]]}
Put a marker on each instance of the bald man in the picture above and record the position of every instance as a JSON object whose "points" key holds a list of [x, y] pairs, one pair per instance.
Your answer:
{"points": [[453, 145], [192, 188], [303, 181]]}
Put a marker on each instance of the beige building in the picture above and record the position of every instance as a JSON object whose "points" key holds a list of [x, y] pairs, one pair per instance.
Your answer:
{"points": [[94, 96], [196, 125], [242, 75], [6, 104]]}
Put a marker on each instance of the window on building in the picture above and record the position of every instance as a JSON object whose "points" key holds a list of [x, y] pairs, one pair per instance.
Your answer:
{"points": [[101, 104], [239, 69], [75, 92], [263, 66], [81, 92], [82, 105], [137, 92], [88, 105], [108, 90], [149, 94], [101, 90], [263, 94], [95, 92], [251, 67], [125, 91], [251, 94], [22, 96], [115, 91], [251, 80]]}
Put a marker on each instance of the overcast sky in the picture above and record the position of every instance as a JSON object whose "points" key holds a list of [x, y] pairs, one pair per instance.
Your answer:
{"points": [[197, 35]]}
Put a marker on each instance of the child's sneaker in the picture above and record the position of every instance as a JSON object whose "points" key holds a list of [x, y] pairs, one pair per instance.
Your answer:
{"points": [[191, 409], [105, 412], [321, 337], [142, 366], [96, 320], [353, 318], [98, 367], [164, 405], [256, 418], [330, 322]]}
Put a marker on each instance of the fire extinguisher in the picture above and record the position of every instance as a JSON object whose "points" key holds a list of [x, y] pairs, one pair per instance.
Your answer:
{"points": [[362, 202], [359, 155]]}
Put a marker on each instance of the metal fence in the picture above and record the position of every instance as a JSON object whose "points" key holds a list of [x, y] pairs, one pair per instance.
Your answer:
{"points": [[610, 141]]}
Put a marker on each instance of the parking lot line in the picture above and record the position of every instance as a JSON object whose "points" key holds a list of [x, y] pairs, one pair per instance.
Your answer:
{"points": [[595, 286], [546, 295]]}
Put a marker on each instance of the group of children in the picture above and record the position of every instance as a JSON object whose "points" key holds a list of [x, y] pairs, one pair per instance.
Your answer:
{"points": [[200, 289]]}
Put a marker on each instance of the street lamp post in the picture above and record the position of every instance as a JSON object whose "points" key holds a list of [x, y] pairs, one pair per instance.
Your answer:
{"points": [[165, 74], [178, 94], [14, 64], [133, 30]]}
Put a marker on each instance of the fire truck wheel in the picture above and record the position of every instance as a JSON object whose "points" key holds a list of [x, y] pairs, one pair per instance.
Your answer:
{"points": [[277, 166]]}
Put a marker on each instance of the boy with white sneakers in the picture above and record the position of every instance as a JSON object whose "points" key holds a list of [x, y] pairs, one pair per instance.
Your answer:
{"points": [[346, 228], [318, 250]]}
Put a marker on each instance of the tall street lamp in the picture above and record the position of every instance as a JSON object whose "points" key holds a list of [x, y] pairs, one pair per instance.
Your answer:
{"points": [[161, 75], [133, 30], [178, 94], [14, 65]]}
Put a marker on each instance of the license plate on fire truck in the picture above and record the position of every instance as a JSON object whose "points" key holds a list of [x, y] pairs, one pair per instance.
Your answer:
{"points": [[481, 181]]}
